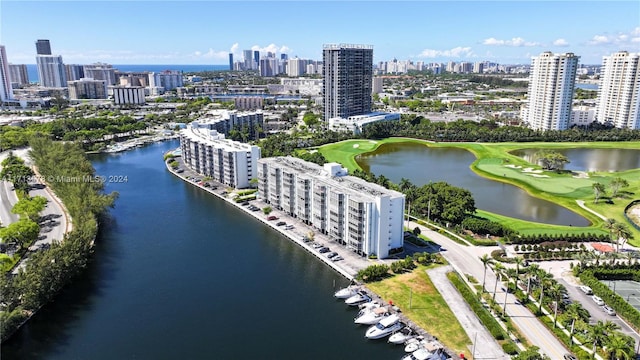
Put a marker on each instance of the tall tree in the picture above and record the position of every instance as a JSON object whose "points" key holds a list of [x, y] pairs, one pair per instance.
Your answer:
{"points": [[598, 190], [621, 234], [619, 347], [616, 184], [486, 260], [497, 269]]}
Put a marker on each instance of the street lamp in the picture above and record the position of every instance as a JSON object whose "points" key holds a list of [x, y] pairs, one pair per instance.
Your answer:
{"points": [[630, 295]]}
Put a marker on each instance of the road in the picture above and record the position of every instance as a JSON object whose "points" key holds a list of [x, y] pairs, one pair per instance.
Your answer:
{"points": [[8, 198], [466, 259]]}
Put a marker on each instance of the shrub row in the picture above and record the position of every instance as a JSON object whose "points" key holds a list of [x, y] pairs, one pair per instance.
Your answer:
{"points": [[483, 314], [484, 226], [541, 238]]}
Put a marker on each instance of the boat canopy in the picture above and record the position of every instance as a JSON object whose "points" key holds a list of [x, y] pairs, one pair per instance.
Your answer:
{"points": [[389, 320]]}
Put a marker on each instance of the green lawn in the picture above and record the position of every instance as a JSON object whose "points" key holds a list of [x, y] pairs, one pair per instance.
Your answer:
{"points": [[428, 308], [494, 161]]}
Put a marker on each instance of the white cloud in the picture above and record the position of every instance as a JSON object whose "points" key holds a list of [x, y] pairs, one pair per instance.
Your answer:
{"points": [[516, 41], [234, 48], [455, 52], [211, 54], [273, 48], [560, 42], [619, 39]]}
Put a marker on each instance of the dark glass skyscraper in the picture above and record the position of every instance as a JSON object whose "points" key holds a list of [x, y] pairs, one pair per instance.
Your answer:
{"points": [[347, 80], [43, 47], [230, 61]]}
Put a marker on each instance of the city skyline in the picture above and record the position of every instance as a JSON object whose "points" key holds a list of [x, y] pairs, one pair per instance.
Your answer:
{"points": [[205, 32]]}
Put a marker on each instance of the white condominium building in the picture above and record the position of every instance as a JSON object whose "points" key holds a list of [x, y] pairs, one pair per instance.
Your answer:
{"points": [[223, 121], [364, 217], [6, 91], [51, 71], [207, 152], [551, 86], [619, 91]]}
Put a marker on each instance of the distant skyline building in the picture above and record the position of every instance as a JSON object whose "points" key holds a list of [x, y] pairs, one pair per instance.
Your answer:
{"points": [[43, 47], [256, 56], [347, 80], [74, 72], [230, 61], [619, 90], [87, 88], [6, 91], [551, 87], [51, 71], [168, 79], [18, 74], [296, 67], [248, 59], [101, 71]]}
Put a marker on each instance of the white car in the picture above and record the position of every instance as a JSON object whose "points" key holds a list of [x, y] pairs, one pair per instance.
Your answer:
{"points": [[585, 289], [597, 300], [609, 310]]}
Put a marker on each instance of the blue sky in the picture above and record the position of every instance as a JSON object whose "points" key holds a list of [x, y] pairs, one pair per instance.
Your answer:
{"points": [[204, 32]]}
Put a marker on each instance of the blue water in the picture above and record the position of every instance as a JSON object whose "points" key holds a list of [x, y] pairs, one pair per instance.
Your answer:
{"points": [[32, 69]]}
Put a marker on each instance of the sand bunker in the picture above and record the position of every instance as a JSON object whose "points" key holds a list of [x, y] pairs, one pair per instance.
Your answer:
{"points": [[355, 146], [539, 176]]}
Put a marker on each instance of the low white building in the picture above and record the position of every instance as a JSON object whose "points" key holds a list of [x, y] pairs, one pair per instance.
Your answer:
{"points": [[125, 95], [364, 217], [208, 153], [582, 115], [356, 123]]}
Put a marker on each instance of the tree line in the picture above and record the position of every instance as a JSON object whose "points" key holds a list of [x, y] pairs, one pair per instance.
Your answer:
{"points": [[49, 270]]}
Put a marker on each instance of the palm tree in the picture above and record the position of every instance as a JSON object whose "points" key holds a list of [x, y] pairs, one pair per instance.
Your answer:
{"points": [[544, 278], [621, 234], [575, 312], [619, 347], [497, 269], [486, 260], [510, 273], [596, 334], [518, 260], [583, 257], [531, 272], [554, 292], [609, 224]]}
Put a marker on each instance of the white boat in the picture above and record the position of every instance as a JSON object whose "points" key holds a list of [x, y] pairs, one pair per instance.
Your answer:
{"points": [[369, 305], [420, 354], [414, 344], [347, 292], [360, 297], [402, 336], [371, 316], [384, 327]]}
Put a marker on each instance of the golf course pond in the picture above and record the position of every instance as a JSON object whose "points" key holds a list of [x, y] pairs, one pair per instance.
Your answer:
{"points": [[583, 159], [421, 165]]}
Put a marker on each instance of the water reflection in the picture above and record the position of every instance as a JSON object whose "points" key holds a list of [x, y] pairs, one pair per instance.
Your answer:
{"points": [[610, 160], [422, 165]]}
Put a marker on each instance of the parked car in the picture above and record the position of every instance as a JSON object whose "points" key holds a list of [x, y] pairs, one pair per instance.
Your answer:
{"points": [[323, 250], [585, 289], [316, 245], [280, 223], [288, 227], [331, 254], [568, 356], [272, 217], [337, 258], [609, 310], [597, 300]]}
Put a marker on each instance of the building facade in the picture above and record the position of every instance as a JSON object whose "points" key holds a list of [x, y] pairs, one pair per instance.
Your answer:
{"points": [[101, 71], [74, 72], [363, 217], [6, 90], [168, 79], [223, 121], [619, 91], [551, 87], [43, 47], [230, 61], [128, 95], [208, 153], [18, 74], [347, 79], [51, 71], [87, 88]]}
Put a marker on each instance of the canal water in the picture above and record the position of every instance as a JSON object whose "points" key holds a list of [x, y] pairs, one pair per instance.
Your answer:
{"points": [[608, 160], [180, 274], [422, 165]]}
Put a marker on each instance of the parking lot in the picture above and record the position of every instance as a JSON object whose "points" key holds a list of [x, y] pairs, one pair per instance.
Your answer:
{"points": [[627, 289]]}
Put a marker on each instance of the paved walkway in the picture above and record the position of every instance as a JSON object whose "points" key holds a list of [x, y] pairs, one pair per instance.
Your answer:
{"points": [[486, 347], [582, 205]]}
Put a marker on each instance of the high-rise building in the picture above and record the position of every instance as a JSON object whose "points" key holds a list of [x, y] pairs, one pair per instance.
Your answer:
{"points": [[269, 66], [51, 71], [248, 59], [376, 87], [295, 67], [167, 79], [101, 71], [347, 79], [619, 90], [74, 72], [87, 88], [43, 47], [6, 91], [478, 67], [363, 217], [550, 95], [284, 57], [230, 61], [256, 57], [18, 74]]}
